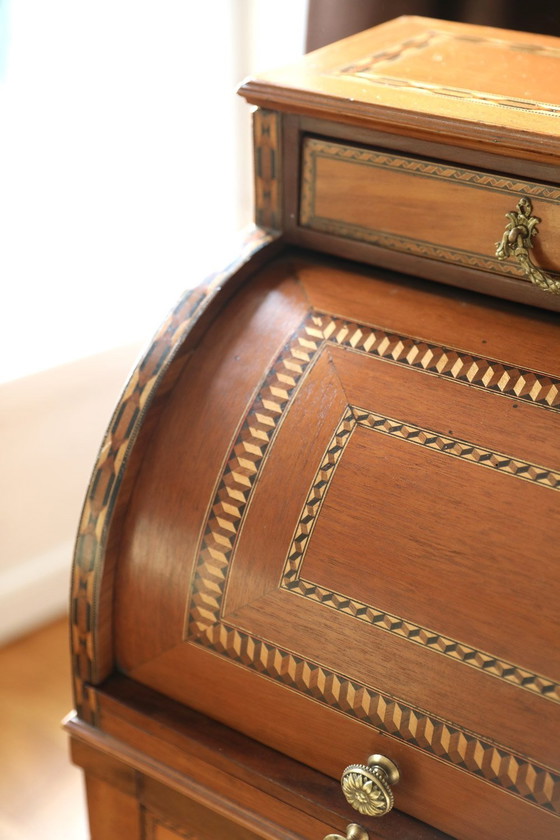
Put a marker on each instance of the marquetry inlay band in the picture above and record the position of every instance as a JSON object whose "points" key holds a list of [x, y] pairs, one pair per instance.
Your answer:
{"points": [[278, 389], [205, 624], [425, 637], [239, 477], [446, 362], [489, 761], [106, 481], [434, 170], [456, 448], [370, 70], [315, 149], [267, 162]]}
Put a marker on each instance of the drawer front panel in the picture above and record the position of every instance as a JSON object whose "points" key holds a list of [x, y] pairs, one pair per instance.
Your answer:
{"points": [[423, 208]]}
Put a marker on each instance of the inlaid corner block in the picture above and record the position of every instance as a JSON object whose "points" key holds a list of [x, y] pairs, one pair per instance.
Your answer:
{"points": [[267, 151], [207, 626]]}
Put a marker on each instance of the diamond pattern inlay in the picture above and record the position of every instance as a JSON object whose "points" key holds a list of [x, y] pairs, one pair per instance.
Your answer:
{"points": [[206, 627], [416, 727], [450, 447], [245, 461]]}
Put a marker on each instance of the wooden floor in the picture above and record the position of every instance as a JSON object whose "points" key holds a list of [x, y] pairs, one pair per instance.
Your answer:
{"points": [[41, 793]]}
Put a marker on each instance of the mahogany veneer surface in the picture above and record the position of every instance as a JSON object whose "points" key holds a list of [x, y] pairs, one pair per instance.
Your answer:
{"points": [[344, 519]]}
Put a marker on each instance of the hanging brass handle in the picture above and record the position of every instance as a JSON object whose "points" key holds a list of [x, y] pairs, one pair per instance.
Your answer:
{"points": [[517, 241], [367, 787], [353, 832]]}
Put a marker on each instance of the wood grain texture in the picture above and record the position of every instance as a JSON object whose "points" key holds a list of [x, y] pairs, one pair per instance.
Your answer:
{"points": [[113, 814], [303, 567], [429, 208], [449, 274], [171, 811], [397, 74], [326, 511], [114, 473], [475, 464], [437, 148], [268, 312], [427, 226], [168, 744], [160, 831]]}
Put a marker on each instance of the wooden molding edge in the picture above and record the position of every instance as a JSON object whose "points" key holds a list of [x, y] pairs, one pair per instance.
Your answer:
{"points": [[109, 488], [107, 755]]}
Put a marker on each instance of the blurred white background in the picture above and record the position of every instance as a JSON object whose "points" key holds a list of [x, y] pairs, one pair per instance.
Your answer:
{"points": [[125, 164]]}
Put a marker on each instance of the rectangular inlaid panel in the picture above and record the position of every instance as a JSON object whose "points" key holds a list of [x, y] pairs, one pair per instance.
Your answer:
{"points": [[371, 560], [469, 490], [426, 208]]}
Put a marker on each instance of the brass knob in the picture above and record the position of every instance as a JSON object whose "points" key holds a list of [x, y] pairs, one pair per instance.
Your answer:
{"points": [[367, 787], [353, 832]]}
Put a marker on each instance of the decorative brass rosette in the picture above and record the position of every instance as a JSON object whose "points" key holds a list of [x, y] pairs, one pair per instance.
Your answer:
{"points": [[366, 789], [353, 832]]}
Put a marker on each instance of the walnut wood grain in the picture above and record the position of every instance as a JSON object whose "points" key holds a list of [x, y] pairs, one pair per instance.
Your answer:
{"points": [[113, 814], [323, 95], [358, 242], [325, 513], [200, 453], [508, 288]]}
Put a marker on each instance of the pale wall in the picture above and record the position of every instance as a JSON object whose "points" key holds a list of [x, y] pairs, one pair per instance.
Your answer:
{"points": [[51, 426], [124, 163]]}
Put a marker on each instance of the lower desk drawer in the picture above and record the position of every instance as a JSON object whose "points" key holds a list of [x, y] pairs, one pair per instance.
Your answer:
{"points": [[430, 210], [158, 771]]}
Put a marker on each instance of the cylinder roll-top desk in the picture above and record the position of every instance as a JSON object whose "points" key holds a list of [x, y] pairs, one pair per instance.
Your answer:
{"points": [[315, 588]]}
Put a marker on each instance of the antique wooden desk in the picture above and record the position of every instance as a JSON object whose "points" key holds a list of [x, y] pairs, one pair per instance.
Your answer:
{"points": [[324, 521]]}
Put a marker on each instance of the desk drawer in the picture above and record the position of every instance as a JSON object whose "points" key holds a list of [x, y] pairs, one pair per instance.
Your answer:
{"points": [[431, 210]]}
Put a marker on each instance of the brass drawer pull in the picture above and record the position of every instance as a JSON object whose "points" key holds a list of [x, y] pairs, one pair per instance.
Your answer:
{"points": [[353, 832], [367, 787], [517, 241]]}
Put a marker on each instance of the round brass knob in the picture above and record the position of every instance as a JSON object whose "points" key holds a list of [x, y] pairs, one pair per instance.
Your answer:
{"points": [[367, 787], [353, 832]]}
